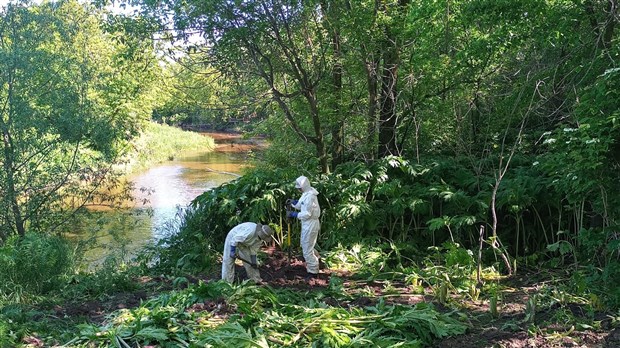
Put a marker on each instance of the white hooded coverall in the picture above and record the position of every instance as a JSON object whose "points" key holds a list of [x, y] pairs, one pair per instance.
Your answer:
{"points": [[309, 213], [245, 239]]}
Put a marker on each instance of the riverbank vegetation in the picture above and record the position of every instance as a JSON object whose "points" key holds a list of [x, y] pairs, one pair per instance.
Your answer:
{"points": [[160, 143], [466, 154], [71, 118]]}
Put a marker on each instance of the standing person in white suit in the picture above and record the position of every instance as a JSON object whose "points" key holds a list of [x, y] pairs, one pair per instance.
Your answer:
{"points": [[244, 241], [309, 213]]}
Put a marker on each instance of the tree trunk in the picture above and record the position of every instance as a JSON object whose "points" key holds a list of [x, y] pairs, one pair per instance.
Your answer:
{"points": [[338, 127], [293, 59], [388, 119], [11, 194], [9, 156], [387, 112], [319, 141], [373, 84], [337, 118]]}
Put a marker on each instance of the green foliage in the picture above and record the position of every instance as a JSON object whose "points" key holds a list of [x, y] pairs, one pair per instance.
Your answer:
{"points": [[108, 279], [232, 334], [68, 113], [449, 271], [356, 258], [218, 313], [588, 187], [201, 97], [284, 147], [468, 72], [187, 251], [474, 81], [258, 197], [563, 247], [33, 265], [590, 147], [7, 338], [159, 143], [284, 318], [463, 76], [599, 246], [390, 199], [395, 200]]}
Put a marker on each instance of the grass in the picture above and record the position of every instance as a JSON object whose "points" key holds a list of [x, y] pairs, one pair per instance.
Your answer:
{"points": [[370, 300], [159, 143]]}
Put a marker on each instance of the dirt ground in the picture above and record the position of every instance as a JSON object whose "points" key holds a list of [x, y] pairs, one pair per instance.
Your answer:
{"points": [[509, 329]]}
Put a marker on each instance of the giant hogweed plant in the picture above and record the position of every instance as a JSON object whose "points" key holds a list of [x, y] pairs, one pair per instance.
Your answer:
{"points": [[395, 200], [257, 197], [391, 199], [265, 317]]}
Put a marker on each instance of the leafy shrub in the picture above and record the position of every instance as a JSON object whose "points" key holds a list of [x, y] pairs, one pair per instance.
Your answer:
{"points": [[35, 263], [109, 278], [390, 200], [188, 251], [7, 338], [256, 197]]}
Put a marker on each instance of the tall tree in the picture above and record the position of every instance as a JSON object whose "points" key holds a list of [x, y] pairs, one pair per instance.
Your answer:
{"points": [[332, 12], [70, 97], [393, 14], [278, 41], [302, 53]]}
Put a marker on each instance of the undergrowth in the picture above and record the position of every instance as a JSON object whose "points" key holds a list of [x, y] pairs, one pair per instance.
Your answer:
{"points": [[345, 313], [399, 227], [418, 207], [263, 317]]}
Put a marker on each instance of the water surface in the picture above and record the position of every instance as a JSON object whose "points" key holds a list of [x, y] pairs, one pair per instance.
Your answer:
{"points": [[161, 193]]}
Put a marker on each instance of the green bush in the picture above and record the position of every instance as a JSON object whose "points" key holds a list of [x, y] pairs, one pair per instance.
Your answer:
{"points": [[257, 197], [7, 338], [390, 199], [34, 264]]}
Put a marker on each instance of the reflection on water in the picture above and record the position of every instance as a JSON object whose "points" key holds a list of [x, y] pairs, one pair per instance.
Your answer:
{"points": [[161, 192]]}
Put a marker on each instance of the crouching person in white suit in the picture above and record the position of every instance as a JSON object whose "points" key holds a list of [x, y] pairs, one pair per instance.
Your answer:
{"points": [[243, 242]]}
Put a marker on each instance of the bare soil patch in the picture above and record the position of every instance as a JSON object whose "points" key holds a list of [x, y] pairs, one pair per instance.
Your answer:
{"points": [[96, 310]]}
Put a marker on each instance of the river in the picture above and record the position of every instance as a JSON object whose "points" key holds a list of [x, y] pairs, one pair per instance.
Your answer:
{"points": [[161, 193]]}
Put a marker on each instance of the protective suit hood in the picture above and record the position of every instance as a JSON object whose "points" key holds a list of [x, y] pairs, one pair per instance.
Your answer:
{"points": [[304, 184]]}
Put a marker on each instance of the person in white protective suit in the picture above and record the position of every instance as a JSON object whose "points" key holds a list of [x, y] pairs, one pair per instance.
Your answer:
{"points": [[309, 213], [243, 242]]}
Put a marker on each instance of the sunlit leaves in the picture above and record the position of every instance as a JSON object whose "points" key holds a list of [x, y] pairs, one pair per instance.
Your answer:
{"points": [[390, 199], [232, 334], [589, 148], [71, 102], [287, 318], [349, 210]]}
